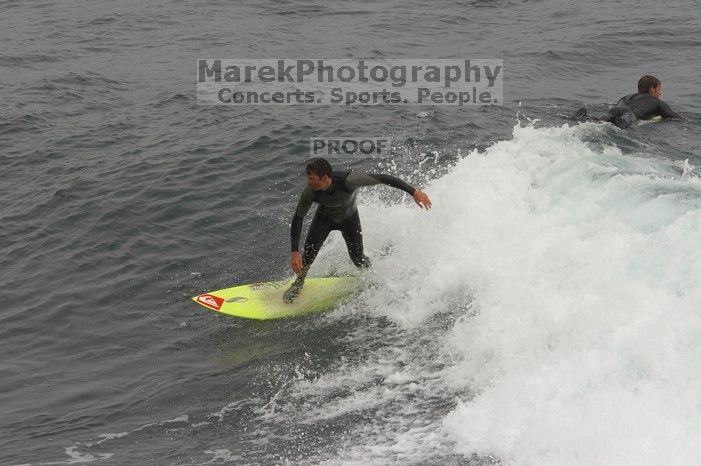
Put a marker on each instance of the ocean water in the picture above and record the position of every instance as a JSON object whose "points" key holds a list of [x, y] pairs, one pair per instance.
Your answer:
{"points": [[546, 311]]}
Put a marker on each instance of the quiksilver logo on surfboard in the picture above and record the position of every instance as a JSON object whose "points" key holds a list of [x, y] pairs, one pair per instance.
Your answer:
{"points": [[210, 301]]}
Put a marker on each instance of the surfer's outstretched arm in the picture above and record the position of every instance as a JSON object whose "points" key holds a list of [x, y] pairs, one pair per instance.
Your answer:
{"points": [[358, 179]]}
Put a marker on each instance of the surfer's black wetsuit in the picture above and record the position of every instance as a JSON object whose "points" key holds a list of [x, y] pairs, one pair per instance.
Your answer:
{"points": [[634, 107], [337, 211], [640, 106]]}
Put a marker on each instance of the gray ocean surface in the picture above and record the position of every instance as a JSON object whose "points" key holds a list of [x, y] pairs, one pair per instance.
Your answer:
{"points": [[122, 198]]}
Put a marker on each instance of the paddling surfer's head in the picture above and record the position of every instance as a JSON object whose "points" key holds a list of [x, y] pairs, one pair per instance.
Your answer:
{"points": [[651, 85], [319, 174]]}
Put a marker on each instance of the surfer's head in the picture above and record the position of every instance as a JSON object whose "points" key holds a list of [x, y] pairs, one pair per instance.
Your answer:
{"points": [[651, 85], [319, 174]]}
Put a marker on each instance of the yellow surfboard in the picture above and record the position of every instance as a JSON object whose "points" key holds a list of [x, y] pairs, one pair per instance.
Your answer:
{"points": [[263, 301], [655, 119]]}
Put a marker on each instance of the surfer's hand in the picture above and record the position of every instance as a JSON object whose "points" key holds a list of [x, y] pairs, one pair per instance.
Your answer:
{"points": [[296, 262], [422, 200]]}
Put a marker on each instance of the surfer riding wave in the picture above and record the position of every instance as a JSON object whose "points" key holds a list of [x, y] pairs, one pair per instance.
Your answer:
{"points": [[335, 192]]}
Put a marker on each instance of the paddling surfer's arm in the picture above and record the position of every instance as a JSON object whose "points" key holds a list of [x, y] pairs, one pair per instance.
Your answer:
{"points": [[305, 202], [667, 112], [358, 179]]}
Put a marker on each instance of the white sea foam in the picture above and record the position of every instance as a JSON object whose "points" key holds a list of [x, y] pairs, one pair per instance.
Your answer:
{"points": [[582, 266]]}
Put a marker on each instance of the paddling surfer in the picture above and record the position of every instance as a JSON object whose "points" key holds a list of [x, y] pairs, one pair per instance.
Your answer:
{"points": [[644, 105]]}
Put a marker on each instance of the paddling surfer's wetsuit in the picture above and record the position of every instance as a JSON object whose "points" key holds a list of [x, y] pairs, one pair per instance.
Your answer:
{"points": [[337, 211], [631, 108]]}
